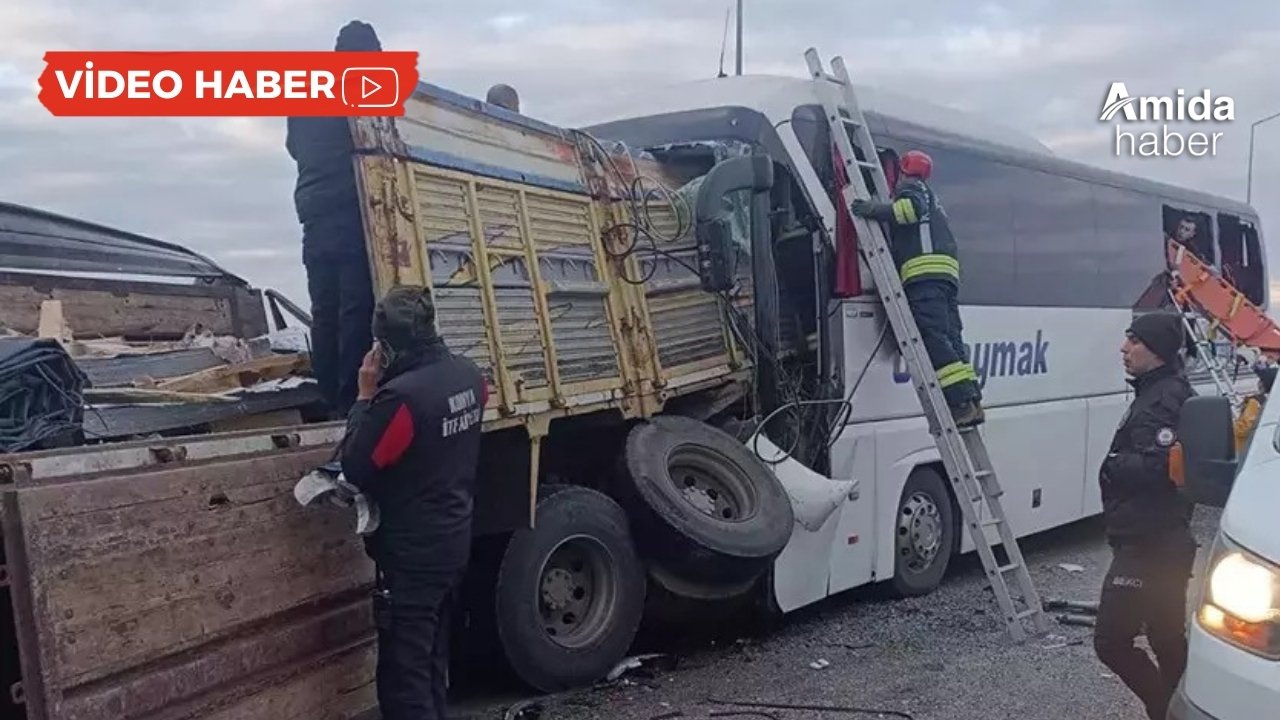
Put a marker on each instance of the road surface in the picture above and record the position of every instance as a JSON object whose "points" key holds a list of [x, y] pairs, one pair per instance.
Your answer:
{"points": [[940, 657]]}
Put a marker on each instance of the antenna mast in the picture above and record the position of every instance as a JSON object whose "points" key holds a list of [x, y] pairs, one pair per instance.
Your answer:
{"points": [[739, 58]]}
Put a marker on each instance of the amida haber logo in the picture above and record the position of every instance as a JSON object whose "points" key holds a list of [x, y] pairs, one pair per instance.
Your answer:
{"points": [[190, 84], [1122, 108]]}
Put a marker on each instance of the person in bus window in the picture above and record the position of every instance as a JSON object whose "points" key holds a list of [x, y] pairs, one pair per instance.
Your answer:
{"points": [[1148, 521], [333, 242], [925, 253]]}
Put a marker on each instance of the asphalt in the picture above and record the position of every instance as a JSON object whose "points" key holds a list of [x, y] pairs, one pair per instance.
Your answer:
{"points": [[944, 656]]}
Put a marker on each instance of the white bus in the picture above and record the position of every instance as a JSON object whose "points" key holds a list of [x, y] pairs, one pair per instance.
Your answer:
{"points": [[1056, 257]]}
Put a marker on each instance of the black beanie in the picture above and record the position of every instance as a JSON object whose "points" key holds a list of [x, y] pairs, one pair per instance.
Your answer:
{"points": [[1162, 333], [357, 36], [405, 318]]}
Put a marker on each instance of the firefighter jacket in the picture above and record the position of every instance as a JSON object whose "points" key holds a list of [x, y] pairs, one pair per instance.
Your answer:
{"points": [[413, 448], [921, 240], [1139, 499]]}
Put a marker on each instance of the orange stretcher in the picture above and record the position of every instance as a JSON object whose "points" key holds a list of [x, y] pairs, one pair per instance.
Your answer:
{"points": [[1227, 308]]}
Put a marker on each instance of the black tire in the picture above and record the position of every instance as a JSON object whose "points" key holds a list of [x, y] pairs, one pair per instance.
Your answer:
{"points": [[570, 591], [924, 534], [726, 520]]}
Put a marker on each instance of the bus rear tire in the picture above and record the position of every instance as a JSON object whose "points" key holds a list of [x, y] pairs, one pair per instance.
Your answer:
{"points": [[924, 534], [570, 591]]}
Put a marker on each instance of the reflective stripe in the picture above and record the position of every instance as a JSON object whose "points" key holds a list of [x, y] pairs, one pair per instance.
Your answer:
{"points": [[930, 264], [956, 372], [926, 238], [904, 211]]}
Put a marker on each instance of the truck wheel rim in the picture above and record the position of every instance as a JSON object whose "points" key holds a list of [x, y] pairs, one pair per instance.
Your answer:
{"points": [[577, 591], [711, 485], [919, 532]]}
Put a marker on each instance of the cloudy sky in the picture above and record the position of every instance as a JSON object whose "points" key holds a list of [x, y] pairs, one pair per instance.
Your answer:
{"points": [[223, 186]]}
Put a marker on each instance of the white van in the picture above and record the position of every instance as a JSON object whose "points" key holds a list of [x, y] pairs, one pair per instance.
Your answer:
{"points": [[1233, 668]]}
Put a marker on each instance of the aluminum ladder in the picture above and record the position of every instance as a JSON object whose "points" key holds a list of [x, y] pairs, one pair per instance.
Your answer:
{"points": [[1206, 350], [963, 452]]}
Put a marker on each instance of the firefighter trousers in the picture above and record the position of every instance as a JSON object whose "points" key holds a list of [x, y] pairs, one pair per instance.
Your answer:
{"points": [[1146, 587], [342, 302], [413, 615], [937, 312]]}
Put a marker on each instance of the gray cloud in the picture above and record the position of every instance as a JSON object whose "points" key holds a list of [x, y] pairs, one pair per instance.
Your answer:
{"points": [[224, 186]]}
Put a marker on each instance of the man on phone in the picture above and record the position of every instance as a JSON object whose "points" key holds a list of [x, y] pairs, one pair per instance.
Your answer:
{"points": [[412, 446]]}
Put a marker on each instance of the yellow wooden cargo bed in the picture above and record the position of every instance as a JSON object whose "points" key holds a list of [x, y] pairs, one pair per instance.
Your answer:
{"points": [[522, 231]]}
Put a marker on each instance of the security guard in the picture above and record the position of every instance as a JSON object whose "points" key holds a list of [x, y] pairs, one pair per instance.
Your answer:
{"points": [[925, 252], [333, 248], [1147, 519], [412, 446]]}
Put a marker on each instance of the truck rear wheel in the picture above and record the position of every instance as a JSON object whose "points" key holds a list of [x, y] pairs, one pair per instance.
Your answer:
{"points": [[570, 591], [705, 509], [924, 534]]}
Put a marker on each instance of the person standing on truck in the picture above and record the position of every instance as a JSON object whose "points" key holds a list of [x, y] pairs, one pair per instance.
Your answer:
{"points": [[926, 255], [1148, 521], [412, 446], [333, 245]]}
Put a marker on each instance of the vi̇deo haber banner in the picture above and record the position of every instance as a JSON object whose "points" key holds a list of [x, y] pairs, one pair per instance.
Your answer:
{"points": [[196, 84]]}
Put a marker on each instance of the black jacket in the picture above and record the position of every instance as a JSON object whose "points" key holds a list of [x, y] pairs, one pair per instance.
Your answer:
{"points": [[1139, 500], [413, 449], [324, 152], [922, 243]]}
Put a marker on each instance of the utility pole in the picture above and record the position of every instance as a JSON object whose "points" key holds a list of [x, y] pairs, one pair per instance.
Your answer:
{"points": [[1249, 181], [739, 55]]}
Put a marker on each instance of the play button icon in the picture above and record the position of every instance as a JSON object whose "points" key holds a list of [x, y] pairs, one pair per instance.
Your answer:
{"points": [[370, 87]]}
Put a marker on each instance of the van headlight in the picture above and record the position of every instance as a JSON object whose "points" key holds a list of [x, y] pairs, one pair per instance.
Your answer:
{"points": [[1241, 603]]}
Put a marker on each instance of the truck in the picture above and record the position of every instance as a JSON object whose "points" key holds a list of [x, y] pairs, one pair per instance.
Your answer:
{"points": [[693, 393]]}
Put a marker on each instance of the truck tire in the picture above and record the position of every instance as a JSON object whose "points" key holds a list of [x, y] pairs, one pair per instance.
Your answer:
{"points": [[570, 591], [924, 534], [704, 508]]}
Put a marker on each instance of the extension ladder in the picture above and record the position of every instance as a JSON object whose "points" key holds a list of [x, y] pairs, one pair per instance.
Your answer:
{"points": [[963, 452], [1206, 350]]}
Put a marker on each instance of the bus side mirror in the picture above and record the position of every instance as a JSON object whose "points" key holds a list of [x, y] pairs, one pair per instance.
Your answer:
{"points": [[713, 230], [1208, 447]]}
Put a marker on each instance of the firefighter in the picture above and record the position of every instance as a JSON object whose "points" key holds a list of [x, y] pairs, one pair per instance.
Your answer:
{"points": [[333, 248], [412, 446], [925, 252], [1251, 408], [1147, 520]]}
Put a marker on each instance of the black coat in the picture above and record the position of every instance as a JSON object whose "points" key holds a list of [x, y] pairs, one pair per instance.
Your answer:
{"points": [[325, 197], [413, 449], [1140, 501]]}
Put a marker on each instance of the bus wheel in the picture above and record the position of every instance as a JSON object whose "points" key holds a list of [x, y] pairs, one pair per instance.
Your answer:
{"points": [[704, 508], [570, 591], [924, 534]]}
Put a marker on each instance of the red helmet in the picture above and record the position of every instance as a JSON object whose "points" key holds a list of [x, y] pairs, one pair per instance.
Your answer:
{"points": [[916, 164]]}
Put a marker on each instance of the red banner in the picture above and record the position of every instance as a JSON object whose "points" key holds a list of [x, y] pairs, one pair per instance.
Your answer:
{"points": [[207, 84]]}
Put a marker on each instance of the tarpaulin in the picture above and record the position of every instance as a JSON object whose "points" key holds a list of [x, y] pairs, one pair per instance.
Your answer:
{"points": [[41, 405]]}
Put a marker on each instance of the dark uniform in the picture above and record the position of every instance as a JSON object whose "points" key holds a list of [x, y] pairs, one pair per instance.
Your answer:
{"points": [[925, 253], [413, 449], [1148, 527], [333, 247]]}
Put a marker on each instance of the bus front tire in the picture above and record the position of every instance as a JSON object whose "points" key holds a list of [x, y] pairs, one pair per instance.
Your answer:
{"points": [[924, 534], [570, 591]]}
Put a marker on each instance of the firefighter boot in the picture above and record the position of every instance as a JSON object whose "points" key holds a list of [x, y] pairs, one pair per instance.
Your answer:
{"points": [[968, 414]]}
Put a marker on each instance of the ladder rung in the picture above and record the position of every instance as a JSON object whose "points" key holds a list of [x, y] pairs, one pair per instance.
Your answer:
{"points": [[866, 164], [983, 473], [850, 121], [1007, 568], [991, 523], [832, 79], [1029, 612]]}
